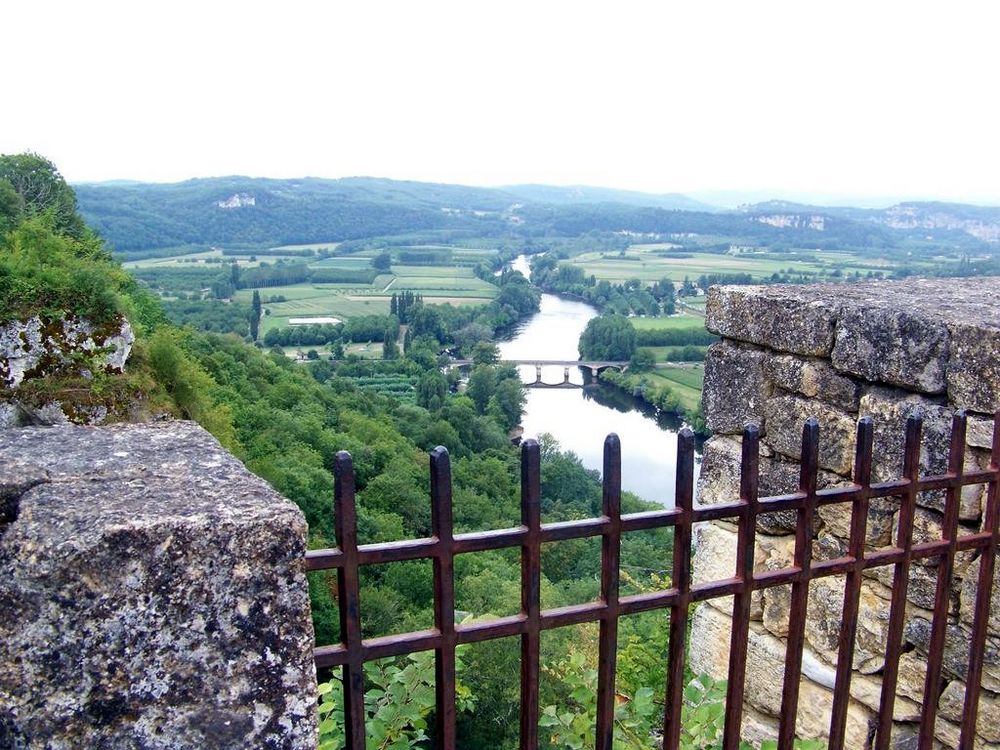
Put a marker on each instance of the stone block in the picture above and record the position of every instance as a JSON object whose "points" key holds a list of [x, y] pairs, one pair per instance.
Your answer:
{"points": [[153, 595], [890, 409], [979, 432], [824, 623], [719, 481], [813, 378], [878, 526], [735, 388], [891, 344], [955, 664], [951, 706], [974, 365], [765, 675], [790, 319], [967, 597], [785, 417]]}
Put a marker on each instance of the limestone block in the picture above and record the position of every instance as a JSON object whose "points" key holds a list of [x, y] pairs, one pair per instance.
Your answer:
{"points": [[785, 416], [956, 651], [890, 408], [719, 481], [785, 318], [967, 597], [921, 585], [765, 675], [153, 595], [892, 344], [974, 365], [927, 527], [824, 623], [735, 387], [979, 432], [910, 676], [949, 734], [813, 378], [951, 706], [878, 525]]}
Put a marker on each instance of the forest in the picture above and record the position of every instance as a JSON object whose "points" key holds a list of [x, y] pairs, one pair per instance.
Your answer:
{"points": [[138, 219]]}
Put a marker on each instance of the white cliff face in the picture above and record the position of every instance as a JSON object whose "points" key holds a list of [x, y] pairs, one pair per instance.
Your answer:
{"points": [[237, 200]]}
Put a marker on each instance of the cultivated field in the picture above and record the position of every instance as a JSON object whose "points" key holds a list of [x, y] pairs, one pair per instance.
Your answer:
{"points": [[648, 264]]}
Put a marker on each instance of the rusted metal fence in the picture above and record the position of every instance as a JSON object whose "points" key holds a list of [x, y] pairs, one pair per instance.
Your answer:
{"points": [[441, 548]]}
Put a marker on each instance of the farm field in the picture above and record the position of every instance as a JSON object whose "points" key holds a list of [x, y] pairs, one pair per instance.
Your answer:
{"points": [[686, 382], [642, 262], [668, 322], [210, 258], [437, 284]]}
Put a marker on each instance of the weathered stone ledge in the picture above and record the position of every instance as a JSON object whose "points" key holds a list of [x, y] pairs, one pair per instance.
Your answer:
{"points": [[153, 595]]}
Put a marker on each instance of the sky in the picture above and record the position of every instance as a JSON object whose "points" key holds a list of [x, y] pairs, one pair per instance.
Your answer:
{"points": [[837, 99]]}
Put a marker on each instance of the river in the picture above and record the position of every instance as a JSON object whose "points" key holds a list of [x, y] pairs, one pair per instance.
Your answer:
{"points": [[579, 419]]}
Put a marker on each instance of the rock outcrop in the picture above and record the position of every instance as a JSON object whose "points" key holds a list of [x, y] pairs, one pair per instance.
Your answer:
{"points": [[839, 352], [62, 350], [152, 596]]}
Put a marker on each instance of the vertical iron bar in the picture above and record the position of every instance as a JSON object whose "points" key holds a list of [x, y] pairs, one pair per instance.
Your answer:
{"points": [[444, 598], [942, 596], [610, 552], [345, 522], [800, 587], [684, 502], [749, 474], [531, 567], [852, 589], [984, 591], [900, 582]]}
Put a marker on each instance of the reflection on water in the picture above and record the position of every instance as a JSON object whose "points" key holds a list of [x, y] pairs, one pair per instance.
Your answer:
{"points": [[579, 419]]}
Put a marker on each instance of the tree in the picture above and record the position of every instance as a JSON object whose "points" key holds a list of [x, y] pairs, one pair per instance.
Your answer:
{"points": [[432, 389], [255, 309], [43, 190], [389, 348], [11, 207], [608, 337], [485, 353], [382, 262], [482, 384], [507, 403]]}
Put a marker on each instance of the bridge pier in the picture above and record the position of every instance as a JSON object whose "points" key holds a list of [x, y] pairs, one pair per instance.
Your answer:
{"points": [[565, 374], [538, 373]]}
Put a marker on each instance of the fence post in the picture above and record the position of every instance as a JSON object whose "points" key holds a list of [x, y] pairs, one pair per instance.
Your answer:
{"points": [[444, 597], [346, 530], [531, 573], [610, 552]]}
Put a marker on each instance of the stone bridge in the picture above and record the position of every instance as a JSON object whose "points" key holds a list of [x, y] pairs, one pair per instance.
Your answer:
{"points": [[594, 366]]}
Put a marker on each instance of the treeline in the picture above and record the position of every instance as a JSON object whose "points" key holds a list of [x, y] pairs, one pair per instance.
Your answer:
{"points": [[621, 299], [359, 329]]}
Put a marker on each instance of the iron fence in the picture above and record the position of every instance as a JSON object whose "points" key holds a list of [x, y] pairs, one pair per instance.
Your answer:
{"points": [[354, 650]]}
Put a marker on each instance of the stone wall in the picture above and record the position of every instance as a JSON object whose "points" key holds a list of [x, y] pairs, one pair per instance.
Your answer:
{"points": [[152, 595], [838, 352]]}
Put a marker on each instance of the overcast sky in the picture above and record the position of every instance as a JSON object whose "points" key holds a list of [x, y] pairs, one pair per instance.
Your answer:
{"points": [[857, 98]]}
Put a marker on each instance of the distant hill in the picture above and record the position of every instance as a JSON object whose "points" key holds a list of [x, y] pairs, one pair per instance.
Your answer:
{"points": [[584, 194], [253, 213], [927, 220]]}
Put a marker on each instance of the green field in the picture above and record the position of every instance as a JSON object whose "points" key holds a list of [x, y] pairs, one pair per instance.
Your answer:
{"points": [[437, 285], [685, 381], [668, 322], [642, 262]]}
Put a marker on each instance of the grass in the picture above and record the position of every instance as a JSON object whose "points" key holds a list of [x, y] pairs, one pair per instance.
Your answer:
{"points": [[668, 322], [641, 262], [437, 284], [686, 382], [660, 352]]}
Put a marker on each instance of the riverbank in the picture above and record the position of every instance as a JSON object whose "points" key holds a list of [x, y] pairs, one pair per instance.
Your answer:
{"points": [[673, 389]]}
